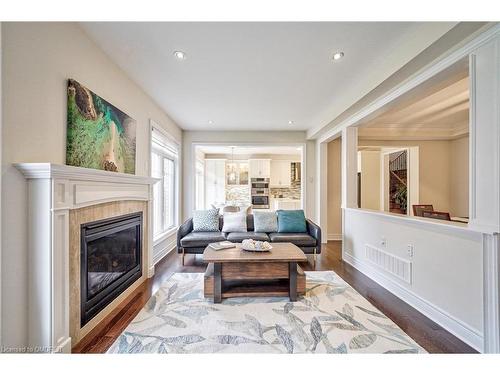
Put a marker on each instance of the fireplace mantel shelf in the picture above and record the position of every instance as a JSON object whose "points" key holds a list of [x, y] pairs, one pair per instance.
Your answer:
{"points": [[60, 171]]}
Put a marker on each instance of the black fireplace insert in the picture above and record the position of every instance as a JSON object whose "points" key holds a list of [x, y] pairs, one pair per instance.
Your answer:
{"points": [[110, 261]]}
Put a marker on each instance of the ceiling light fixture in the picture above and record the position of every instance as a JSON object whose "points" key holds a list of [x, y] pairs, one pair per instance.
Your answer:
{"points": [[290, 122], [338, 55], [179, 55], [210, 122]]}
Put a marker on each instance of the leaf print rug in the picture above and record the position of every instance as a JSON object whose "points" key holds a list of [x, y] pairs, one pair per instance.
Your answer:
{"points": [[331, 318]]}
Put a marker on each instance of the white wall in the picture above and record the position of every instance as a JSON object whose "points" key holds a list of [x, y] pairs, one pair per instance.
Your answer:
{"points": [[447, 267], [249, 137], [37, 60], [456, 267]]}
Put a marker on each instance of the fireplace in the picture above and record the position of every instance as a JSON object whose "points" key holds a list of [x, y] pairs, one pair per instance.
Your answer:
{"points": [[111, 260]]}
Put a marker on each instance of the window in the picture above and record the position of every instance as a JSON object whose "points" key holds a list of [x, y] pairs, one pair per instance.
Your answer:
{"points": [[200, 182], [164, 165]]}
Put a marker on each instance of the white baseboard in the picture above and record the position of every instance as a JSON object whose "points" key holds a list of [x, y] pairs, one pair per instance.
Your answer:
{"points": [[161, 253], [334, 237], [458, 328]]}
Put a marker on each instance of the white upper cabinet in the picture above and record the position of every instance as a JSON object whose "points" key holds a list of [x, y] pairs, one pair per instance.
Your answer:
{"points": [[260, 168], [215, 182], [281, 173]]}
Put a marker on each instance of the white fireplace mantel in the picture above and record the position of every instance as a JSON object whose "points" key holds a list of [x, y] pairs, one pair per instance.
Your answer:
{"points": [[54, 190]]}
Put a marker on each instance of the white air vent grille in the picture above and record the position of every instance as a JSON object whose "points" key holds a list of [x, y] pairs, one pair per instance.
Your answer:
{"points": [[401, 268]]}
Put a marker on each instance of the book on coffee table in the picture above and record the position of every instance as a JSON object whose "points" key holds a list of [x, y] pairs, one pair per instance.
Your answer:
{"points": [[222, 245]]}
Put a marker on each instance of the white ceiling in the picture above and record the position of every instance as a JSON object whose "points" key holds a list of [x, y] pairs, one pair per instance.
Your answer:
{"points": [[251, 150], [438, 112], [258, 76]]}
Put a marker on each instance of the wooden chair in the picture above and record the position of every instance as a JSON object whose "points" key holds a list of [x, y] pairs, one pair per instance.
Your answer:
{"points": [[437, 215], [418, 208]]}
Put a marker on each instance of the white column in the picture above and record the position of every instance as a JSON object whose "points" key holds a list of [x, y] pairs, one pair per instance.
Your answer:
{"points": [[322, 188], [484, 184], [491, 279], [349, 167]]}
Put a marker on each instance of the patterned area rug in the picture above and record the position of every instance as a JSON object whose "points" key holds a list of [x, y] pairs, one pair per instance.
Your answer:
{"points": [[331, 318]]}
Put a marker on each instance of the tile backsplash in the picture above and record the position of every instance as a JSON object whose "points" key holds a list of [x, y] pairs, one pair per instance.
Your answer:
{"points": [[238, 195], [293, 192]]}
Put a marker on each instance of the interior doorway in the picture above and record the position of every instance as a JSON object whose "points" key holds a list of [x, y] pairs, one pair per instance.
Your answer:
{"points": [[398, 182]]}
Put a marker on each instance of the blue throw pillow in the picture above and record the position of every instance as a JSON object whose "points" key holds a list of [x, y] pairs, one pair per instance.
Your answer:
{"points": [[291, 221]]}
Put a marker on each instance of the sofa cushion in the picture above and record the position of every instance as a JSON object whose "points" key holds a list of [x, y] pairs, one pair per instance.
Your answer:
{"points": [[206, 220], [291, 221], [299, 239], [238, 237], [201, 239], [265, 221], [235, 222]]}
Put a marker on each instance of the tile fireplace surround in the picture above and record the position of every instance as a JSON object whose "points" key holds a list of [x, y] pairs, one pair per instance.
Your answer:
{"points": [[60, 199]]}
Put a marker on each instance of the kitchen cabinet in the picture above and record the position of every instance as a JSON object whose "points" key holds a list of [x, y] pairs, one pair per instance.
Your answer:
{"points": [[281, 174], [215, 182], [259, 168], [237, 173], [285, 204]]}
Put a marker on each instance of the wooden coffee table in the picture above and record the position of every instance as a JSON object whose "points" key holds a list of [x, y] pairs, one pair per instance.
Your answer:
{"points": [[238, 273]]}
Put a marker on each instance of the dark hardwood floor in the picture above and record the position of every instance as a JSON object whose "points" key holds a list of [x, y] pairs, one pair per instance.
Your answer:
{"points": [[424, 331]]}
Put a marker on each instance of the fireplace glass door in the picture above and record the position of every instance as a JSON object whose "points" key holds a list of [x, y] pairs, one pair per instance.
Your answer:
{"points": [[110, 261]]}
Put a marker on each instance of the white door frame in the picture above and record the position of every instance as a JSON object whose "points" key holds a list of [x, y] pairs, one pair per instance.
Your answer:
{"points": [[303, 171]]}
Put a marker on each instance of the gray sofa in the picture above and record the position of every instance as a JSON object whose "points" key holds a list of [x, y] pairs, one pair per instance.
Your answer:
{"points": [[189, 242]]}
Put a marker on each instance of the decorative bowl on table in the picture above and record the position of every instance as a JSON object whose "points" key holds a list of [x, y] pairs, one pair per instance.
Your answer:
{"points": [[252, 245]]}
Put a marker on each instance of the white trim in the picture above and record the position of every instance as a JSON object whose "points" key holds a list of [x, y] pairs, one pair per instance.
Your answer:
{"points": [[472, 136], [491, 280], [163, 236], [303, 181], [53, 190], [451, 226], [67, 172], [167, 249], [426, 73], [334, 237], [154, 126], [462, 330]]}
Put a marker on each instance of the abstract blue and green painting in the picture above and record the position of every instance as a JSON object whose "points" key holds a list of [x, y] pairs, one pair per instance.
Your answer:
{"points": [[100, 136]]}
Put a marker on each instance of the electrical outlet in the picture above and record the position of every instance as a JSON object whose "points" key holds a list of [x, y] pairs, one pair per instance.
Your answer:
{"points": [[383, 242], [411, 250]]}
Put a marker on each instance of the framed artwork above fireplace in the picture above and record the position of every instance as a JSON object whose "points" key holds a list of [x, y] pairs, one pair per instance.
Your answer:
{"points": [[99, 135]]}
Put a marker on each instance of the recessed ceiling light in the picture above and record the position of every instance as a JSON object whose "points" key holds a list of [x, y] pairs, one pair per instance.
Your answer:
{"points": [[290, 122], [338, 55], [210, 122], [179, 55]]}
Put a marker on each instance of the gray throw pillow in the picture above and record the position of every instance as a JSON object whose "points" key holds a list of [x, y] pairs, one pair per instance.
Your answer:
{"points": [[265, 221], [206, 220], [235, 222]]}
